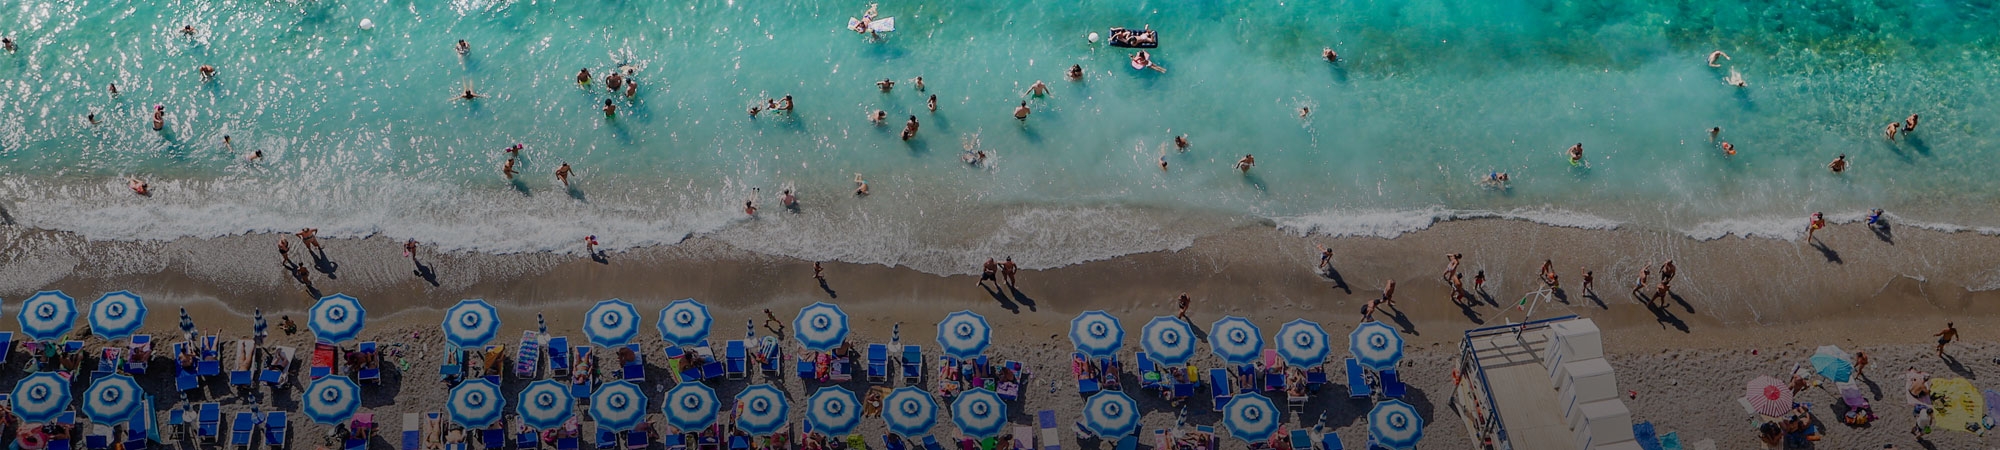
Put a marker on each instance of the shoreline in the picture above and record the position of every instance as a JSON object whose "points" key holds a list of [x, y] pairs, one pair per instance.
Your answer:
{"points": [[1734, 295]]}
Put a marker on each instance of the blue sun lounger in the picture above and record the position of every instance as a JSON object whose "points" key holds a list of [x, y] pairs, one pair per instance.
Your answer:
{"points": [[368, 374], [635, 371], [1146, 367], [99, 438], [913, 364], [774, 360], [1301, 439], [7, 344], [275, 426], [210, 416], [738, 357], [242, 429], [413, 434], [1357, 381], [1330, 441], [559, 356], [931, 443], [1218, 386], [1392, 384], [878, 363], [606, 439], [493, 438]]}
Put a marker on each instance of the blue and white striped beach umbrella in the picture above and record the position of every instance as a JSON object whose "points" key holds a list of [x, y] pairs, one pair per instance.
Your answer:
{"points": [[1250, 417], [545, 405], [618, 405], [117, 315], [1168, 340], [337, 318], [1395, 425], [910, 412], [833, 411], [1303, 344], [820, 327], [40, 397], [684, 322], [979, 413], [471, 323], [1376, 346], [964, 335], [257, 325], [331, 400], [187, 323], [611, 323], [1235, 340], [475, 403], [48, 315], [113, 399], [1111, 414], [761, 410], [1096, 334], [691, 407]]}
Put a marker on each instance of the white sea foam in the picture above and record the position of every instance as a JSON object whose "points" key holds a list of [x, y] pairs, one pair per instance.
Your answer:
{"points": [[1793, 228], [1392, 223]]}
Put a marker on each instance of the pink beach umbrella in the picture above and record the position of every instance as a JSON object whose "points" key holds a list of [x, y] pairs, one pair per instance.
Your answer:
{"points": [[1768, 396]]}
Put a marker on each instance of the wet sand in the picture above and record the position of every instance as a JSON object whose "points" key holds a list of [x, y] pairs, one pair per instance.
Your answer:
{"points": [[1687, 361]]}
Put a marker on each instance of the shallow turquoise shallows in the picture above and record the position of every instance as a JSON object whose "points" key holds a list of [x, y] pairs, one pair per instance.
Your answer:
{"points": [[362, 135]]}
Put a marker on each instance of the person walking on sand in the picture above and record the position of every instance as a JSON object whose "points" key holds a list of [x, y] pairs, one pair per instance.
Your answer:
{"points": [[1817, 222], [1860, 363], [1588, 279], [989, 272], [1667, 270], [590, 244], [1548, 273], [1183, 302], [1451, 264], [1007, 271], [284, 248], [771, 318], [1389, 293], [310, 237], [1325, 256], [1949, 334], [1638, 287], [410, 249], [819, 273], [1479, 281], [1457, 289], [1659, 296]]}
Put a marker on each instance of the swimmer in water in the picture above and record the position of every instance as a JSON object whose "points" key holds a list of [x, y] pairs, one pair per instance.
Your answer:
{"points": [[1305, 111], [1892, 129], [92, 117], [1039, 89], [910, 128], [1712, 132], [114, 89], [562, 173], [1728, 148], [7, 43], [464, 48], [138, 186], [1075, 72], [1735, 79], [610, 110], [1329, 54], [614, 82], [513, 150], [508, 169], [583, 76], [159, 117], [631, 88], [1712, 56], [1817, 222], [256, 155], [1576, 153], [879, 117], [886, 84], [785, 104], [1163, 162], [1181, 142], [932, 103], [207, 72], [590, 244], [1495, 179], [860, 185], [750, 208], [227, 144], [754, 109], [1143, 60], [919, 82], [1021, 112], [467, 94], [789, 201], [1910, 124], [1839, 164], [1246, 163], [974, 158]]}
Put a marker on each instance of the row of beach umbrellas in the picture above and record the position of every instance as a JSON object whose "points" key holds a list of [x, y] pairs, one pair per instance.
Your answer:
{"points": [[1300, 343]]}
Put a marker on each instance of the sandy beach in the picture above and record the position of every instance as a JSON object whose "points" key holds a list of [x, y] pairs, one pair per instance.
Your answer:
{"points": [[1743, 307]]}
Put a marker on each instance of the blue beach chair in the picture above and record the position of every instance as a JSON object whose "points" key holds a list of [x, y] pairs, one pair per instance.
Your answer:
{"points": [[1392, 384], [1357, 381]]}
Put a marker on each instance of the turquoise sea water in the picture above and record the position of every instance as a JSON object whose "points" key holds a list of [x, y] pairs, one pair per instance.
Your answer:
{"points": [[362, 136]]}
